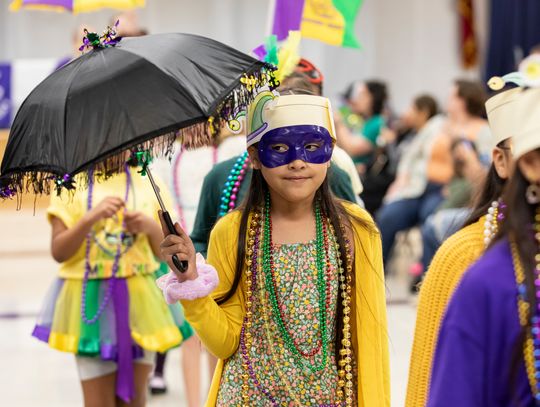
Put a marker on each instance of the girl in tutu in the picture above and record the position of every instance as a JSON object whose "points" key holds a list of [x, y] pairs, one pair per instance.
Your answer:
{"points": [[105, 307]]}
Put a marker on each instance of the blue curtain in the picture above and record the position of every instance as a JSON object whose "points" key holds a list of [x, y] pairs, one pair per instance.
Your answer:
{"points": [[5, 95], [514, 30]]}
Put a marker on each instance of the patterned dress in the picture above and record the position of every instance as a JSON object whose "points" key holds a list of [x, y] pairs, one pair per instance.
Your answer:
{"points": [[277, 370]]}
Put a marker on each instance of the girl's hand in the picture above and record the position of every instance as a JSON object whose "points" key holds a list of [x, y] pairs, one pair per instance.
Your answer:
{"points": [[138, 222], [105, 209], [182, 246]]}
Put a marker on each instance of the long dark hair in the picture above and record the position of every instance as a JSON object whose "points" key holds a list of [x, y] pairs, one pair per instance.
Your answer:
{"points": [[516, 227], [379, 95], [331, 207], [492, 190], [426, 103], [474, 95]]}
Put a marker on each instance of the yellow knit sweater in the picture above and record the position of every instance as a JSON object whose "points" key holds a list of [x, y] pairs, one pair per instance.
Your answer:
{"points": [[451, 261]]}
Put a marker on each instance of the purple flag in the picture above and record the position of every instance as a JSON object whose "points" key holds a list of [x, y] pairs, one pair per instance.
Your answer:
{"points": [[287, 17], [67, 4], [5, 95]]}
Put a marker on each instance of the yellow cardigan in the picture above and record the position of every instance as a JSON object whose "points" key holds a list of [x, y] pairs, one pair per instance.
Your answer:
{"points": [[218, 326], [451, 261]]}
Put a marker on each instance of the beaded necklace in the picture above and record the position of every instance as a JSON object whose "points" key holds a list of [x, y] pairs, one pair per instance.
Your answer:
{"points": [[271, 287], [345, 382], [88, 267], [531, 347], [232, 186], [268, 332], [127, 240], [494, 216], [246, 339], [176, 184]]}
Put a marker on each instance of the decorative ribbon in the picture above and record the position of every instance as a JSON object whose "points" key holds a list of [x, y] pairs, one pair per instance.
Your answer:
{"points": [[65, 181], [144, 159], [125, 387], [92, 40]]}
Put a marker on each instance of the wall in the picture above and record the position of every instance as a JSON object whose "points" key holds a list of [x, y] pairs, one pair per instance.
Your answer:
{"points": [[412, 44], [417, 47]]}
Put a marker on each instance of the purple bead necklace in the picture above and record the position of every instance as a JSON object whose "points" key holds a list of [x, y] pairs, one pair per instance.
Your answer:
{"points": [[88, 267]]}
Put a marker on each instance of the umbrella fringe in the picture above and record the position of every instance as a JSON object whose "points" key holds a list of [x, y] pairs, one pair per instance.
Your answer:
{"points": [[46, 181], [197, 135], [245, 92]]}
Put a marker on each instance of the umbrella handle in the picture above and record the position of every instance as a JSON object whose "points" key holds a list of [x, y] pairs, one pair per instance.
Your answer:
{"points": [[180, 265]]}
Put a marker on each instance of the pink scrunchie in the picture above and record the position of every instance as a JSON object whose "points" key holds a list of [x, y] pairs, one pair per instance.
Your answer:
{"points": [[173, 290]]}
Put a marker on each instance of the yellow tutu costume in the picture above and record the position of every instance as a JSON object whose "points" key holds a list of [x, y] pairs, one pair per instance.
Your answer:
{"points": [[125, 312]]}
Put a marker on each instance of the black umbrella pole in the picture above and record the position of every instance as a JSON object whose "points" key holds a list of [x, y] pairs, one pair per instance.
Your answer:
{"points": [[180, 265]]}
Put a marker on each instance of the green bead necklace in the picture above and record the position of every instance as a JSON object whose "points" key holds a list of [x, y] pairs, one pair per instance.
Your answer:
{"points": [[324, 294]]}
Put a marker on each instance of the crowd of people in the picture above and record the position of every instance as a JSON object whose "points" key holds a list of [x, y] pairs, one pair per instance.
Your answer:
{"points": [[293, 225], [422, 169]]}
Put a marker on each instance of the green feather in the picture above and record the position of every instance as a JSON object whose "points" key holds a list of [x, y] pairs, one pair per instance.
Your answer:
{"points": [[271, 47]]}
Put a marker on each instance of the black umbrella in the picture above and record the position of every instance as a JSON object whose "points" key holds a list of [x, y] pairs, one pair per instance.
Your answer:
{"points": [[122, 97], [138, 95]]}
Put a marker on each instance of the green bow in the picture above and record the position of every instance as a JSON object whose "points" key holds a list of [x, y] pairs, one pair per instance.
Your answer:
{"points": [[144, 158]]}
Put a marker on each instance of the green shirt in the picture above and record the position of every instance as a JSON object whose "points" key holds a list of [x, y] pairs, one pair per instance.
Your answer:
{"points": [[370, 131], [460, 192], [214, 182]]}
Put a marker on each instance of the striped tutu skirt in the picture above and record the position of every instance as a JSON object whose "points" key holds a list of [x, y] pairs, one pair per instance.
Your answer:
{"points": [[136, 313]]}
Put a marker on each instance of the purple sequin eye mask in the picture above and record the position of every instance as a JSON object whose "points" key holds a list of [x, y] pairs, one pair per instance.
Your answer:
{"points": [[311, 144]]}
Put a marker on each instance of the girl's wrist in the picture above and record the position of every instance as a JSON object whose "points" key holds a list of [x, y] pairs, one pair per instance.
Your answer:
{"points": [[191, 275], [200, 283]]}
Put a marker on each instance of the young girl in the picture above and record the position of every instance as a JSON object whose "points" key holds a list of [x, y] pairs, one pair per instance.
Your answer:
{"points": [[298, 317], [105, 306], [488, 352]]}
